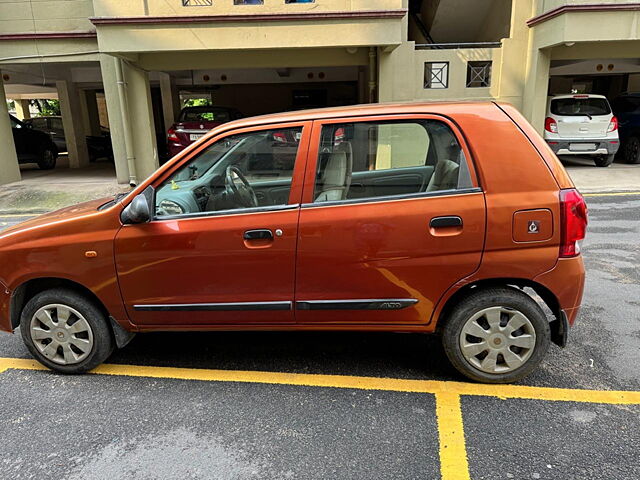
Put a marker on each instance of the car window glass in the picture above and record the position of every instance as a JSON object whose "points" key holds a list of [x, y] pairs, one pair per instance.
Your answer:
{"points": [[56, 124], [580, 106], [14, 123], [381, 159], [240, 171], [626, 104], [205, 114], [39, 123]]}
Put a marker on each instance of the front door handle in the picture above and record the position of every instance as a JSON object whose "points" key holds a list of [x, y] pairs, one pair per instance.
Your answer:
{"points": [[448, 221], [259, 234]]}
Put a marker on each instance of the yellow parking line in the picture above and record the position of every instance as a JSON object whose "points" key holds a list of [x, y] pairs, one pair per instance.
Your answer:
{"points": [[358, 383], [453, 451], [611, 194], [17, 215]]}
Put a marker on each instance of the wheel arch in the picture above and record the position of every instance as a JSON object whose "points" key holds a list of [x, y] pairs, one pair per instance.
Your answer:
{"points": [[27, 290], [543, 293]]}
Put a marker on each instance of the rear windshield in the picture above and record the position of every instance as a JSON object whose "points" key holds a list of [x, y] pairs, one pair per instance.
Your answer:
{"points": [[205, 114], [580, 106]]}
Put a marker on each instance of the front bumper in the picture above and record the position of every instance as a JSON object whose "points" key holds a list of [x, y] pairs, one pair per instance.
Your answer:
{"points": [[602, 146], [5, 308]]}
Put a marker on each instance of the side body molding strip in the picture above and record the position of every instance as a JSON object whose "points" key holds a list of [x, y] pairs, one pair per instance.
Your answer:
{"points": [[214, 307], [360, 304]]}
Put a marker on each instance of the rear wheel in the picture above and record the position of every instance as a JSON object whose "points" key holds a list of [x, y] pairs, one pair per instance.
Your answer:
{"points": [[65, 331], [603, 160], [632, 150], [47, 159], [497, 335]]}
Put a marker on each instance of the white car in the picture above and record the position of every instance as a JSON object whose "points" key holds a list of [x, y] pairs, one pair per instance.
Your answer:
{"points": [[582, 125]]}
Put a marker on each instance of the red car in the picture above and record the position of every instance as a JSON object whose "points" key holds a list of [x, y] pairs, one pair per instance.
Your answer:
{"points": [[194, 123]]}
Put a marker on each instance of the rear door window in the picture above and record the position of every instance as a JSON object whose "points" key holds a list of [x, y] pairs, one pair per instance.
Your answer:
{"points": [[381, 159], [580, 106]]}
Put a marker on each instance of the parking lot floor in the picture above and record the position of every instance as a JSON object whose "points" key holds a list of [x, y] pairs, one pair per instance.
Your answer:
{"points": [[233, 405]]}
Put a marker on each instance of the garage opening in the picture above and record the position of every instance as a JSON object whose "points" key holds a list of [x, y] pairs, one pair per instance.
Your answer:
{"points": [[204, 99]]}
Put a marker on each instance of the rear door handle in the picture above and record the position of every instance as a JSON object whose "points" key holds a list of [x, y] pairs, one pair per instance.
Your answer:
{"points": [[259, 234], [448, 221]]}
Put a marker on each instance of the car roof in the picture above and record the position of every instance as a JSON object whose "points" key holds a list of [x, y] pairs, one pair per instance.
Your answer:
{"points": [[372, 109]]}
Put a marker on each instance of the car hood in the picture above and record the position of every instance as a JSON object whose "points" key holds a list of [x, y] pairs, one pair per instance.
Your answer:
{"points": [[57, 216]]}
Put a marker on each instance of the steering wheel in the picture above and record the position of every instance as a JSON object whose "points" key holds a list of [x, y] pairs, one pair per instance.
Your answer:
{"points": [[242, 193]]}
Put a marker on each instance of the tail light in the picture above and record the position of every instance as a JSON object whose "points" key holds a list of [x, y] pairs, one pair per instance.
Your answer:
{"points": [[172, 136], [573, 222], [550, 125], [613, 125]]}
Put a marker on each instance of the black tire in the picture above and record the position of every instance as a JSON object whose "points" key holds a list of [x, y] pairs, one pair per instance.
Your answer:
{"points": [[509, 299], [604, 160], [103, 343], [47, 159], [632, 150]]}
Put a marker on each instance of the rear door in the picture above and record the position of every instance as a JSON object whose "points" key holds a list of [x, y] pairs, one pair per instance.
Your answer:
{"points": [[408, 224]]}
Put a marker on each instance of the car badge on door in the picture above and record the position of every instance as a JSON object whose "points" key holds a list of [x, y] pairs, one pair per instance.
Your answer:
{"points": [[534, 226]]}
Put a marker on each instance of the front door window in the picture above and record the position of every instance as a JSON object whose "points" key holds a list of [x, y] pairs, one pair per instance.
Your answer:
{"points": [[244, 171]]}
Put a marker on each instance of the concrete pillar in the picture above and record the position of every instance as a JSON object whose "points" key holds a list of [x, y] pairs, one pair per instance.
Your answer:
{"points": [[397, 74], [90, 115], [136, 112], [74, 133], [634, 82], [9, 169], [22, 109], [534, 102], [170, 100]]}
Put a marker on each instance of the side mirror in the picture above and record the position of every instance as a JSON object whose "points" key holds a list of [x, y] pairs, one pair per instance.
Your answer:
{"points": [[137, 211]]}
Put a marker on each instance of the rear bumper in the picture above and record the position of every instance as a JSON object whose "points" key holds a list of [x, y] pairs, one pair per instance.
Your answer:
{"points": [[603, 146], [566, 282], [5, 308]]}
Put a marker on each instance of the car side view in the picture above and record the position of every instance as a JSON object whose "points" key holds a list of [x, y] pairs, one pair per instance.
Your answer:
{"points": [[398, 217]]}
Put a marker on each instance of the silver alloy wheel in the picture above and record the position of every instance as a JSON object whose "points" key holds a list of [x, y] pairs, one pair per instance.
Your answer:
{"points": [[61, 334], [497, 340]]}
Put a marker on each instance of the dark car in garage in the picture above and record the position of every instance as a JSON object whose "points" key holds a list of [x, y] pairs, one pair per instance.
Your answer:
{"points": [[32, 145], [626, 108], [99, 146]]}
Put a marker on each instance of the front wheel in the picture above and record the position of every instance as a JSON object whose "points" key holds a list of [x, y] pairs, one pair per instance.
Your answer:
{"points": [[604, 160], [65, 331], [498, 335]]}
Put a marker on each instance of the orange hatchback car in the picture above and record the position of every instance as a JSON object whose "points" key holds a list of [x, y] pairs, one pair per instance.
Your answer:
{"points": [[449, 218]]}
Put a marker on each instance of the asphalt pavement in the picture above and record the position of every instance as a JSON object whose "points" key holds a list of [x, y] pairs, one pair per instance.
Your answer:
{"points": [[119, 426]]}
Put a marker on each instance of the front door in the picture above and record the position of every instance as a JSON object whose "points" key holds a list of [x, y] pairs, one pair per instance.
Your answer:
{"points": [[221, 248], [392, 217]]}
